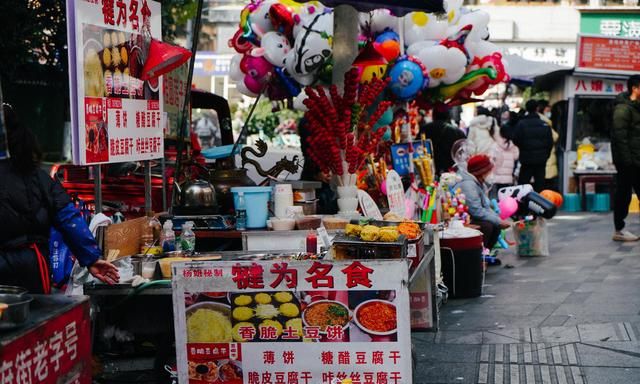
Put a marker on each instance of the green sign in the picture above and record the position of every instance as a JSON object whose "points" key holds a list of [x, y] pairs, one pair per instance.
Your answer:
{"points": [[611, 24]]}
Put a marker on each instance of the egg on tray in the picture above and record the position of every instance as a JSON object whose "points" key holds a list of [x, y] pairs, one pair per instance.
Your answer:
{"points": [[262, 298], [283, 297], [289, 310], [242, 300], [242, 313]]}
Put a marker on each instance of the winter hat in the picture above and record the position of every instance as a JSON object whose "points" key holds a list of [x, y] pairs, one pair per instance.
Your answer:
{"points": [[478, 165]]}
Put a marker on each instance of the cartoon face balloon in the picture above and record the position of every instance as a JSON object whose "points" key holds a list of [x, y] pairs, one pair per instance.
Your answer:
{"points": [[312, 47], [407, 79], [276, 47]]}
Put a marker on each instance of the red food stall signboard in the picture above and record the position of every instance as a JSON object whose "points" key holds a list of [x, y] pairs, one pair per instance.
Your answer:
{"points": [[616, 55], [115, 116], [58, 351], [288, 321]]}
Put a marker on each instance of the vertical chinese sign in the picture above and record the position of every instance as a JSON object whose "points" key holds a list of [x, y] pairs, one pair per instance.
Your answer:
{"points": [[174, 90], [116, 117], [4, 150], [292, 322]]}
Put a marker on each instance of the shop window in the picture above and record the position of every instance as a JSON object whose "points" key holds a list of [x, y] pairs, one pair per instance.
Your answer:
{"points": [[593, 119]]}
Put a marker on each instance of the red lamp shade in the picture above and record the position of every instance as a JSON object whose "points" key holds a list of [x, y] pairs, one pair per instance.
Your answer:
{"points": [[163, 58]]}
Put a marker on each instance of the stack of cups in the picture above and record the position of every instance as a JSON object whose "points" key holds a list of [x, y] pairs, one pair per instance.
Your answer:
{"points": [[282, 198]]}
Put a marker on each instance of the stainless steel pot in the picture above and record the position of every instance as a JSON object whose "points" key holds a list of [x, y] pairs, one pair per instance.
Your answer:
{"points": [[17, 312], [13, 290]]}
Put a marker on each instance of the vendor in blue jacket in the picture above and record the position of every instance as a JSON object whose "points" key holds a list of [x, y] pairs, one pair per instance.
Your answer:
{"points": [[473, 186]]}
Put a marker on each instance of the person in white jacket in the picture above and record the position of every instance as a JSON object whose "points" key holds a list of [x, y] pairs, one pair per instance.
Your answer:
{"points": [[505, 155], [482, 129]]}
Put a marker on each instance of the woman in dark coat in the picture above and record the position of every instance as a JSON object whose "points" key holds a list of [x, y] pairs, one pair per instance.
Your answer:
{"points": [[31, 203]]}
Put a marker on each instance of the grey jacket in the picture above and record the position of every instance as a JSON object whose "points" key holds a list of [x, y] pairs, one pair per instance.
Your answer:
{"points": [[476, 199]]}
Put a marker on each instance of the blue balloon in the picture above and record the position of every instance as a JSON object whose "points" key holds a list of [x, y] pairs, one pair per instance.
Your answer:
{"points": [[388, 35], [407, 79]]}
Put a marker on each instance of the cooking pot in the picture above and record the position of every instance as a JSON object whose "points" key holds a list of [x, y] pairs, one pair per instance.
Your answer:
{"points": [[17, 312], [12, 289], [197, 194]]}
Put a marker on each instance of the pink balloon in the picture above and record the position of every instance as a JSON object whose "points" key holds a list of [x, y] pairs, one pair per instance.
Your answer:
{"points": [[508, 206], [383, 187]]}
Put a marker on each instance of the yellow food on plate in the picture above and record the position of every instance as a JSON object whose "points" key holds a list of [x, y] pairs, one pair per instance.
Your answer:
{"points": [[106, 40], [289, 310], [283, 297], [266, 311], [237, 336], [262, 298], [106, 57], [370, 233], [115, 56], [242, 313], [389, 235], [242, 300], [93, 79], [392, 216], [411, 230], [352, 230], [272, 323], [208, 326], [295, 324], [124, 55]]}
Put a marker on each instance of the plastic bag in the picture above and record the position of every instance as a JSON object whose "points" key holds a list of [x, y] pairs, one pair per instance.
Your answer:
{"points": [[61, 259], [532, 238]]}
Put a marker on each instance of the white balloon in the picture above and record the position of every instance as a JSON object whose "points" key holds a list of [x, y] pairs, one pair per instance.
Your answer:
{"points": [[276, 47], [481, 48], [307, 15], [478, 19], [312, 46], [259, 18], [420, 26], [304, 80], [242, 88], [415, 48], [298, 102], [234, 68], [378, 21], [444, 65], [452, 8]]}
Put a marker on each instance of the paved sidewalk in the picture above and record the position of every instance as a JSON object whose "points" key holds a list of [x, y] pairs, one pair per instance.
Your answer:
{"points": [[570, 318]]}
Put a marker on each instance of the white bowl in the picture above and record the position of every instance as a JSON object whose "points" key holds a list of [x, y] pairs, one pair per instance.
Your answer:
{"points": [[283, 224], [369, 331], [349, 204]]}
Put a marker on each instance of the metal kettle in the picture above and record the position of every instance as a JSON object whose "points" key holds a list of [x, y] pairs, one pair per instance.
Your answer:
{"points": [[197, 194]]}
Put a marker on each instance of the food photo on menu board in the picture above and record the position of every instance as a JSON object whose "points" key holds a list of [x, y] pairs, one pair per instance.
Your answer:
{"points": [[218, 322]]}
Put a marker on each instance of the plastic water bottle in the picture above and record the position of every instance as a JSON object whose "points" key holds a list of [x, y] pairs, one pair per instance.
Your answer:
{"points": [[188, 237], [241, 213], [168, 237]]}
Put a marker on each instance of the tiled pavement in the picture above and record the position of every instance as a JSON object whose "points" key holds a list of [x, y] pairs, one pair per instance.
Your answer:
{"points": [[569, 318]]}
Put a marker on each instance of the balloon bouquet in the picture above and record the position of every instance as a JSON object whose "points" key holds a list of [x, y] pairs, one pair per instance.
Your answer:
{"points": [[448, 58], [281, 47]]}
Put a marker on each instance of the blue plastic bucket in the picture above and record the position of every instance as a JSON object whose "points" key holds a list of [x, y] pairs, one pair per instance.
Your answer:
{"points": [[601, 203], [571, 202], [256, 203]]}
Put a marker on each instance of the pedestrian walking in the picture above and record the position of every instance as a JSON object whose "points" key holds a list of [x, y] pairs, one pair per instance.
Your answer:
{"points": [[535, 141], [482, 129], [625, 145], [506, 155]]}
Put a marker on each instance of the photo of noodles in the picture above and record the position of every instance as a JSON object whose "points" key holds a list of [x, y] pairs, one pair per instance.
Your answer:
{"points": [[326, 313], [208, 325], [93, 81]]}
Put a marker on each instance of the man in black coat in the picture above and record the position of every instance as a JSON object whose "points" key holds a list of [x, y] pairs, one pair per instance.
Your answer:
{"points": [[535, 141]]}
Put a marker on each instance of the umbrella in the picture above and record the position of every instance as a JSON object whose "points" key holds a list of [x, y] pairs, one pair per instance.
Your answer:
{"points": [[398, 7]]}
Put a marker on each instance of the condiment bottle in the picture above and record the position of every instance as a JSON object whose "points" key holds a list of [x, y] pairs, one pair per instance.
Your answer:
{"points": [[312, 242]]}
